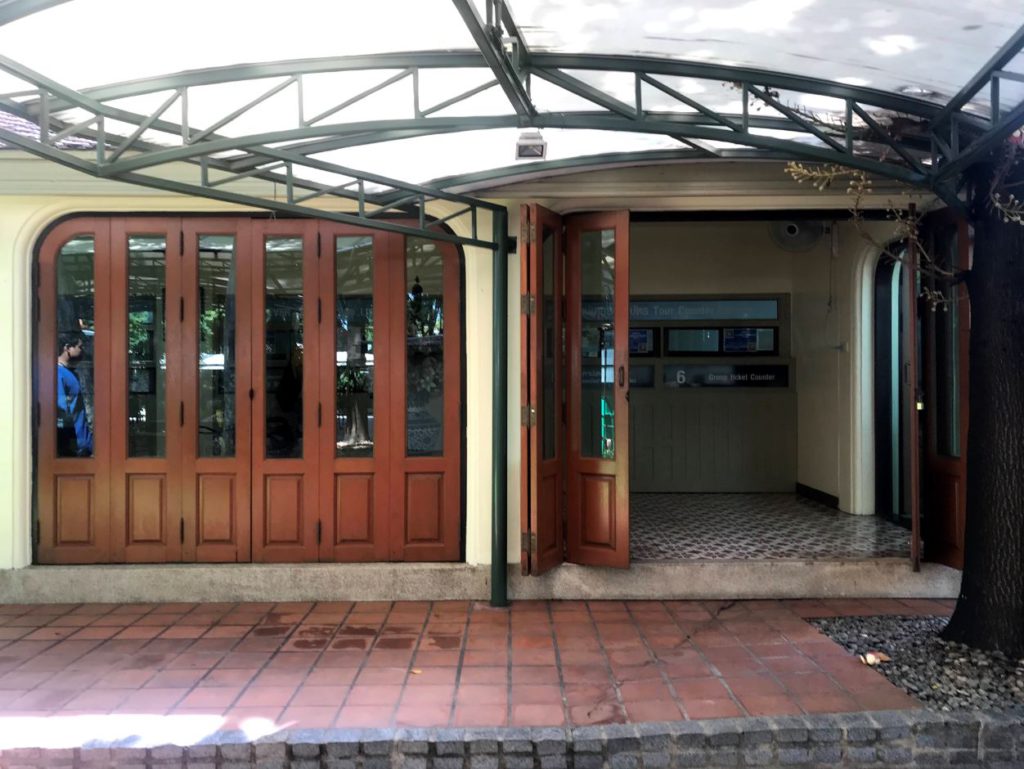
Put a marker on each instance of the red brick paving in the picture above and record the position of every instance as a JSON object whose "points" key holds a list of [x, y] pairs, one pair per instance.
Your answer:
{"points": [[439, 664]]}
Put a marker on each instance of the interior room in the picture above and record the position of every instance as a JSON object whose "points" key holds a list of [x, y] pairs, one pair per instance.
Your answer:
{"points": [[739, 348]]}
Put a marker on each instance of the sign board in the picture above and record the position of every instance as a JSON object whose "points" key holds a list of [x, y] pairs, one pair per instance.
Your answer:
{"points": [[706, 375]]}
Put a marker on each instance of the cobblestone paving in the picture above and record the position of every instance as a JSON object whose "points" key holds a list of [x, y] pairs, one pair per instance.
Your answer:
{"points": [[674, 527]]}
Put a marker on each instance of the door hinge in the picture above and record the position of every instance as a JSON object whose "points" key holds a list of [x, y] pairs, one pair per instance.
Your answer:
{"points": [[252, 394], [319, 414], [528, 304], [181, 413], [319, 311], [527, 233], [528, 416], [181, 310], [181, 530], [529, 542], [319, 532], [181, 242], [319, 245]]}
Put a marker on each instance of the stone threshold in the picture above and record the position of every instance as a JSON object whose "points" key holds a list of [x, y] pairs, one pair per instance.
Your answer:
{"points": [[908, 738], [682, 580]]}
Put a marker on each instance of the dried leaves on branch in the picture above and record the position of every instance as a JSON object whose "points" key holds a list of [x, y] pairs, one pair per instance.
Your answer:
{"points": [[909, 248]]}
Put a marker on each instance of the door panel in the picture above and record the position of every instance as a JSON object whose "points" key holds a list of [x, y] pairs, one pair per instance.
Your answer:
{"points": [[542, 384], [598, 430], [356, 439], [73, 482], [148, 405], [286, 409], [945, 343], [215, 354], [425, 364]]}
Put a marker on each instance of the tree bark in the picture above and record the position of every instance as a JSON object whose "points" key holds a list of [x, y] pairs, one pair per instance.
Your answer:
{"points": [[989, 612]]}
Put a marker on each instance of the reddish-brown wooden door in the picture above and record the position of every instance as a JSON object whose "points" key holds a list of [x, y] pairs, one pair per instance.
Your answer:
{"points": [[286, 407], [146, 390], [541, 392], [597, 322], [424, 360], [216, 380], [356, 393], [73, 403], [945, 347]]}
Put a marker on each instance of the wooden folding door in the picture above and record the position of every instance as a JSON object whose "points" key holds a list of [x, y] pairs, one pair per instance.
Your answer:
{"points": [[286, 410], [147, 413], [946, 332], [597, 316], [216, 405], [424, 360], [355, 436], [542, 383], [73, 394]]}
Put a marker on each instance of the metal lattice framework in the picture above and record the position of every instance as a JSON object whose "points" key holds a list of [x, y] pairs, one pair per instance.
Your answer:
{"points": [[890, 135]]}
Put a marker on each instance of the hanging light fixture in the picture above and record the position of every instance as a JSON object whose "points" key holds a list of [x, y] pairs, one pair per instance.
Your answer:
{"points": [[531, 145]]}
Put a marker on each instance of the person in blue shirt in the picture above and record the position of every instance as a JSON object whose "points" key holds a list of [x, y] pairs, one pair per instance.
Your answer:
{"points": [[74, 436]]}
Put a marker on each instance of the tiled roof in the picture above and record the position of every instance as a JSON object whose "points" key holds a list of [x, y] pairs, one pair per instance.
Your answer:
{"points": [[28, 129]]}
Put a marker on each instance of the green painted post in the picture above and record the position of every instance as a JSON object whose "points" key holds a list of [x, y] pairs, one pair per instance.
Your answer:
{"points": [[499, 414]]}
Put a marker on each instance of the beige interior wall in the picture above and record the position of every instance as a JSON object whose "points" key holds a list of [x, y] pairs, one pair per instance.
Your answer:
{"points": [[706, 258], [23, 219]]}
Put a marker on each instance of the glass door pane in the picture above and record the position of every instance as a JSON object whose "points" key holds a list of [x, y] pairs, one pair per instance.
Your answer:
{"points": [[354, 347], [597, 344], [216, 319], [76, 327], [147, 342], [283, 331], [424, 279]]}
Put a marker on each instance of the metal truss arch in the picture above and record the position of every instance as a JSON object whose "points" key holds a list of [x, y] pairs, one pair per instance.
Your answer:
{"points": [[891, 135]]}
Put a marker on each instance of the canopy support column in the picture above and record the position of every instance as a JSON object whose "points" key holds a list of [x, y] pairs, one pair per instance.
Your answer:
{"points": [[499, 413]]}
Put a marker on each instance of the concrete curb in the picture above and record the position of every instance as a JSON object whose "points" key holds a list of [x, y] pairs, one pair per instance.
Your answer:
{"points": [[917, 739], [681, 580]]}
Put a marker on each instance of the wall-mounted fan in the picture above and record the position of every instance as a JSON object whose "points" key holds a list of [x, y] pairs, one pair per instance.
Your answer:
{"points": [[796, 234]]}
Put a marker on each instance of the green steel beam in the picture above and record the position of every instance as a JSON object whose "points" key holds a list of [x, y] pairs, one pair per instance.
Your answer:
{"points": [[1012, 122], [538, 61], [499, 412], [503, 68], [981, 78]]}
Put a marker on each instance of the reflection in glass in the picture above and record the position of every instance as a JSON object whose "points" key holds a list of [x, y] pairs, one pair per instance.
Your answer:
{"points": [[147, 341], [76, 326], [549, 405], [424, 318], [216, 346], [354, 357], [283, 322], [597, 345]]}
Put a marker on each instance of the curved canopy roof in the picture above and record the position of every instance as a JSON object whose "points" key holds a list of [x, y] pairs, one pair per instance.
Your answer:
{"points": [[346, 98]]}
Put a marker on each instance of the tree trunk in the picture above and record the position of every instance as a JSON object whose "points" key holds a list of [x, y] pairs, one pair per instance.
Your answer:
{"points": [[989, 612]]}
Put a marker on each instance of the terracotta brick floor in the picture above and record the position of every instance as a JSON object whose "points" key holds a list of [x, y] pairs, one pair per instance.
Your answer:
{"points": [[345, 665]]}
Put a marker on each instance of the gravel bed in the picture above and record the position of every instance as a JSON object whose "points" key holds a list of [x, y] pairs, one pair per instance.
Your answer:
{"points": [[942, 675]]}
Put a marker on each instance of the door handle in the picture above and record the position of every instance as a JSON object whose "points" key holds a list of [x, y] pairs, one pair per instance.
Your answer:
{"points": [[622, 376]]}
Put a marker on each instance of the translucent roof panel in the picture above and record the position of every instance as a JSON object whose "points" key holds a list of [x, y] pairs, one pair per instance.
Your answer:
{"points": [[85, 43], [921, 48]]}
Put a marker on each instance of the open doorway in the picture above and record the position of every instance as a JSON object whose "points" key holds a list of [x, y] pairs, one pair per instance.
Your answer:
{"points": [[736, 350]]}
